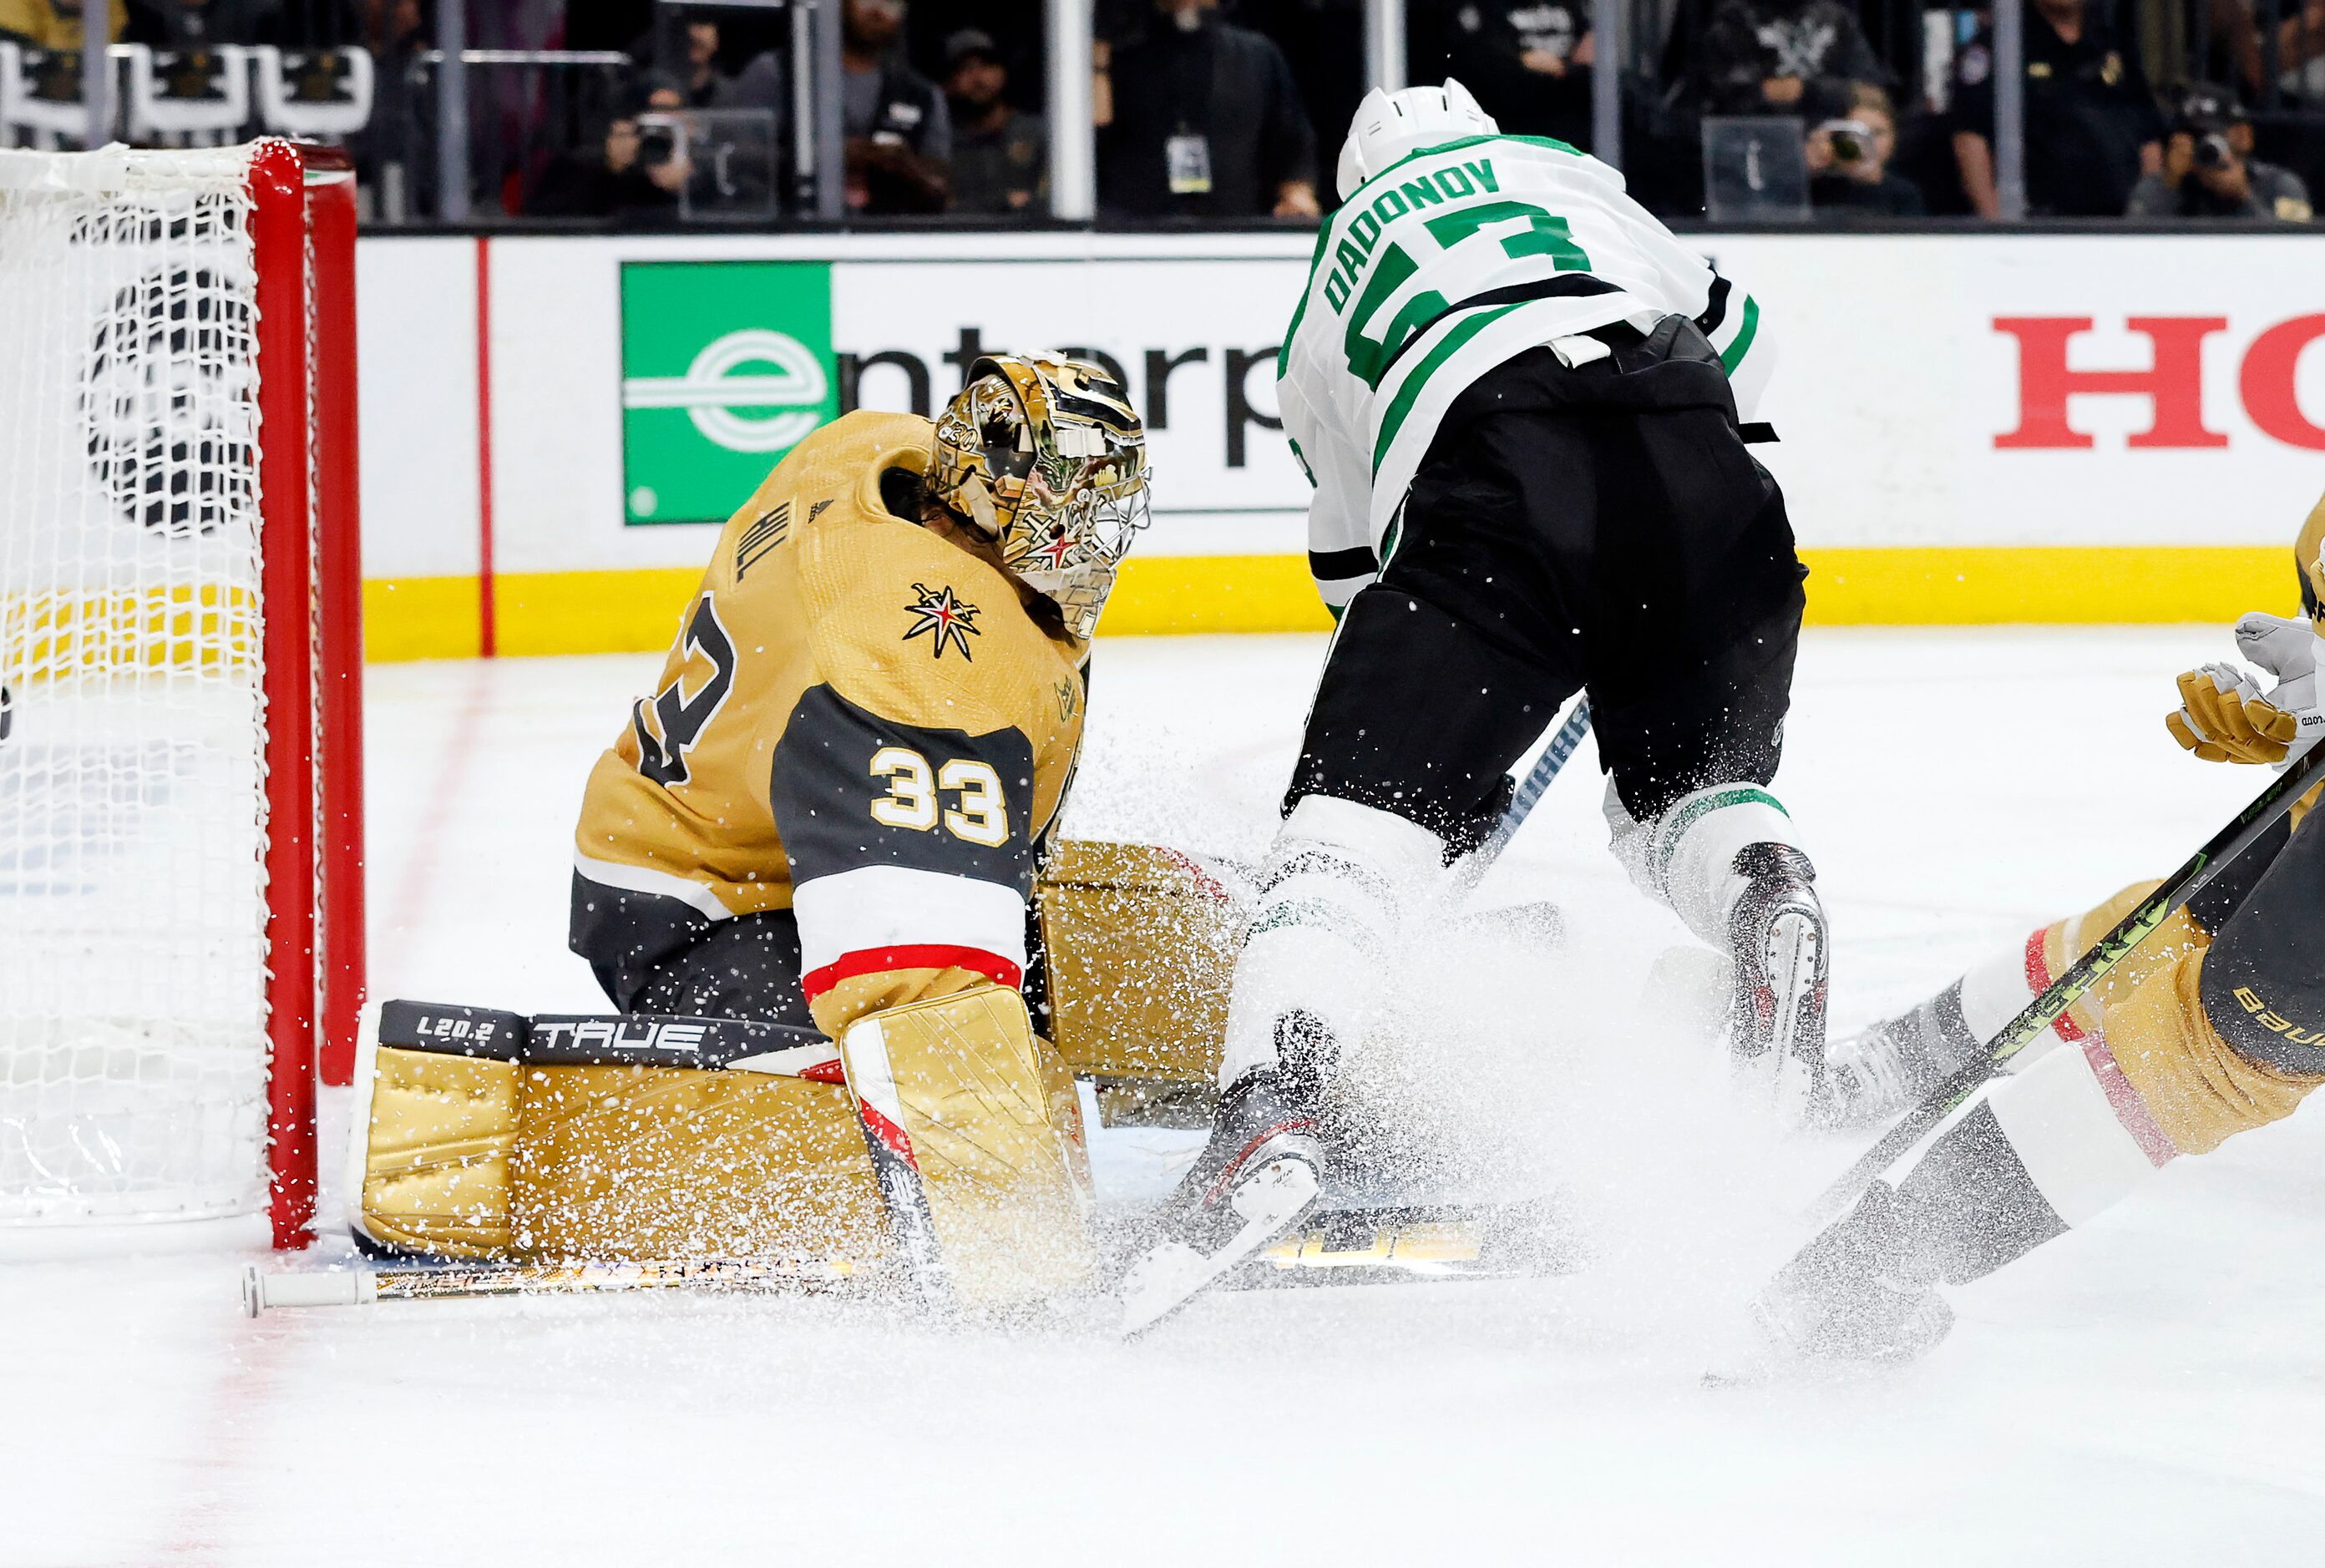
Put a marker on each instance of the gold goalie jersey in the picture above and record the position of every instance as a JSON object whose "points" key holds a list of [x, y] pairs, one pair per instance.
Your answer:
{"points": [[859, 724]]}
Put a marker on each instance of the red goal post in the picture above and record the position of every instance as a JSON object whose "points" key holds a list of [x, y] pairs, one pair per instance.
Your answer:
{"points": [[180, 631]]}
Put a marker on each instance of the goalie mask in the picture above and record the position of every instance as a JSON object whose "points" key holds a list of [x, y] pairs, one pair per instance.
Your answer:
{"points": [[1044, 455]]}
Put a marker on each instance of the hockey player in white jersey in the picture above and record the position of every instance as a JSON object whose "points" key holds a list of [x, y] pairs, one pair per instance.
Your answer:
{"points": [[1523, 404]]}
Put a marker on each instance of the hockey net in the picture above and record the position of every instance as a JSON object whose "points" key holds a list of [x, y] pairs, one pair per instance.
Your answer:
{"points": [[179, 643]]}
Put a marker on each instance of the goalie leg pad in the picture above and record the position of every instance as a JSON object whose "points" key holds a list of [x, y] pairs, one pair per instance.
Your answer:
{"points": [[434, 1136], [1140, 948], [676, 1162], [974, 1127], [477, 1137]]}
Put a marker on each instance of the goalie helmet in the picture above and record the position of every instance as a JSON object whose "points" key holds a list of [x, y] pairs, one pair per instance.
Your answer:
{"points": [[1394, 125], [1045, 456]]}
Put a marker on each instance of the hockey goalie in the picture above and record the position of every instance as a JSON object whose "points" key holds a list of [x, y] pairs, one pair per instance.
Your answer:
{"points": [[805, 874]]}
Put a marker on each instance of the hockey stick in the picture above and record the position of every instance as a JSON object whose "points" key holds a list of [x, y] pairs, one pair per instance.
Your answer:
{"points": [[364, 1284], [2220, 851], [1527, 795], [1360, 1246]]}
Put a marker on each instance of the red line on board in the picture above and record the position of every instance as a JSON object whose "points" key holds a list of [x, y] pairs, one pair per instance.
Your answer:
{"points": [[487, 611]]}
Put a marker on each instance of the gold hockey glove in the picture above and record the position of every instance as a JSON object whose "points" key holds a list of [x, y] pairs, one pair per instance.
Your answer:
{"points": [[2224, 718]]}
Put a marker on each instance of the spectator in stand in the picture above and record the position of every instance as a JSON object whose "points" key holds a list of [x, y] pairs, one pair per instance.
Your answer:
{"points": [[1198, 118], [198, 24], [49, 23], [1000, 157], [2208, 169], [2092, 126], [899, 137], [1528, 64], [2301, 53], [1324, 43], [394, 31], [1848, 163], [689, 54], [1801, 58], [633, 173], [515, 24], [1015, 27]]}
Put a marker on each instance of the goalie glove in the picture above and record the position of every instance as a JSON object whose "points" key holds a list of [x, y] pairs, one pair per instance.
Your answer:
{"points": [[2223, 717]]}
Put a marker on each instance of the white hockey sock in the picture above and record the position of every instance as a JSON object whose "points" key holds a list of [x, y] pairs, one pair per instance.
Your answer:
{"points": [[1685, 858], [2079, 1129], [1327, 924]]}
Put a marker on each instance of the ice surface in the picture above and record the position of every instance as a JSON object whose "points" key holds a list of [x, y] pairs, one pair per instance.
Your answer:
{"points": [[2148, 1391]]}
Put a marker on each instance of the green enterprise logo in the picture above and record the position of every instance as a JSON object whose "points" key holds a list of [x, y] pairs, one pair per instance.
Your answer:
{"points": [[725, 366]]}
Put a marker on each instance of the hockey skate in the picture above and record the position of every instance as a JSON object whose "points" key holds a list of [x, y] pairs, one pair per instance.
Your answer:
{"points": [[1887, 1068], [1871, 1078], [1777, 941], [1257, 1177], [1862, 1294]]}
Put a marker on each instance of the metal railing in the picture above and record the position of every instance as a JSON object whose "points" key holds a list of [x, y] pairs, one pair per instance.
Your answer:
{"points": [[475, 127]]}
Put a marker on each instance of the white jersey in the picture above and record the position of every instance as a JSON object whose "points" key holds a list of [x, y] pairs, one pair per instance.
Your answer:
{"points": [[1419, 287]]}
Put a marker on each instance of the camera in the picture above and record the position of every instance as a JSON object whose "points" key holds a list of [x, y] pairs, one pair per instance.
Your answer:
{"points": [[1847, 139], [661, 138], [2204, 115]]}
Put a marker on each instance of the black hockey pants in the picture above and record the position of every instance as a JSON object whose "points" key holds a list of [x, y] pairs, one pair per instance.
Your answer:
{"points": [[1601, 527]]}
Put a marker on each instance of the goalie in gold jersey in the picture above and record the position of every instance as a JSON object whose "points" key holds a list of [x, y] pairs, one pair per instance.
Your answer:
{"points": [[830, 807], [2213, 1026], [823, 822]]}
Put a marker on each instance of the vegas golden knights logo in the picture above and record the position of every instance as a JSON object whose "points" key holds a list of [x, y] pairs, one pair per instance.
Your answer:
{"points": [[942, 617]]}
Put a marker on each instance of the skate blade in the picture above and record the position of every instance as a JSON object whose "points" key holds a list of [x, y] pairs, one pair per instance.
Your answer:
{"points": [[1791, 960], [1168, 1277]]}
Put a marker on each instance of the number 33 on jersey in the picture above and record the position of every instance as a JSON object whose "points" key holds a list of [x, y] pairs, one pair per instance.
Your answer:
{"points": [[858, 723]]}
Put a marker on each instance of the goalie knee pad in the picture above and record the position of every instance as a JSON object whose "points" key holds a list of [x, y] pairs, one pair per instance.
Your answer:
{"points": [[1328, 918]]}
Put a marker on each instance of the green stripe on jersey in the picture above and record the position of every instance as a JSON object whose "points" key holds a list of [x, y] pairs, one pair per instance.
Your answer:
{"points": [[1733, 354], [1409, 389], [1315, 258]]}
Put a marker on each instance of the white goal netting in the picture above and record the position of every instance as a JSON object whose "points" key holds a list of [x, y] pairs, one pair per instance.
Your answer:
{"points": [[132, 900]]}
